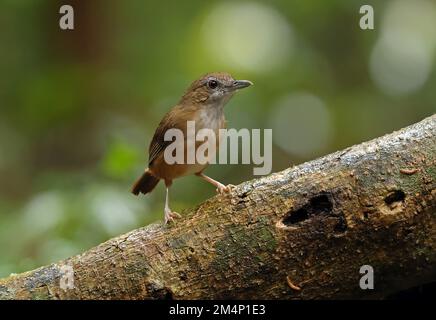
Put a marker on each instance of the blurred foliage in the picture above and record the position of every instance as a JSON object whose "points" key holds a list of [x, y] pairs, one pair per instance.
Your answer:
{"points": [[78, 108]]}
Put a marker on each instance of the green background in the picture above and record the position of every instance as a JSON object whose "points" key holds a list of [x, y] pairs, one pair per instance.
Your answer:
{"points": [[78, 108]]}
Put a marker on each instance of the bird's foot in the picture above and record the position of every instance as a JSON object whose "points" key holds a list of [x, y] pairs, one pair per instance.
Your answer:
{"points": [[221, 189], [170, 216]]}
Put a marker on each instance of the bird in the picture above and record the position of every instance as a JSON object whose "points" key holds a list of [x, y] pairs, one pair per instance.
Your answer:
{"points": [[203, 102]]}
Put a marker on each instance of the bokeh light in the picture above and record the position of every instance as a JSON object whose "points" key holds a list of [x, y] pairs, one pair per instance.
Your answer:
{"points": [[301, 124], [116, 211], [43, 212], [248, 36], [401, 60]]}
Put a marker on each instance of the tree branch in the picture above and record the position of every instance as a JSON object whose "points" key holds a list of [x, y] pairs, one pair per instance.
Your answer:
{"points": [[302, 233]]}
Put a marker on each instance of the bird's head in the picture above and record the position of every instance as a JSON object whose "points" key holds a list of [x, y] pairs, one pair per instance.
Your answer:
{"points": [[213, 89]]}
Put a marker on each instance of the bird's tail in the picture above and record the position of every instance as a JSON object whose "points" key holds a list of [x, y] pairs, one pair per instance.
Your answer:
{"points": [[145, 183]]}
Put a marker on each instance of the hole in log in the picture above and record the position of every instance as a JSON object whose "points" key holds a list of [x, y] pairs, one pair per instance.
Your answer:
{"points": [[395, 196], [320, 204], [393, 202], [157, 291], [169, 295], [295, 217]]}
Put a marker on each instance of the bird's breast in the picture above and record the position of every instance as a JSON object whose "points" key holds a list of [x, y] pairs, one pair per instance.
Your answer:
{"points": [[210, 119]]}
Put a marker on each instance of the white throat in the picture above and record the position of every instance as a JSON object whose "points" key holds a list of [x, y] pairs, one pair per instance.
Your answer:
{"points": [[212, 115]]}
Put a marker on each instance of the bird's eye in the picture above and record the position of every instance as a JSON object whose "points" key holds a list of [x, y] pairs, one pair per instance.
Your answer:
{"points": [[212, 84]]}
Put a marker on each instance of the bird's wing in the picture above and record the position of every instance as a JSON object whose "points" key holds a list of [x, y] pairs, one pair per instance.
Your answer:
{"points": [[176, 119], [158, 144]]}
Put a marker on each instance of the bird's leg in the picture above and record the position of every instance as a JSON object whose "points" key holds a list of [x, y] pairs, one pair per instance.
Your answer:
{"points": [[220, 188], [169, 214]]}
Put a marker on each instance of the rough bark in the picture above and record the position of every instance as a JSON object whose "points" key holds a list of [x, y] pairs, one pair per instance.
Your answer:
{"points": [[302, 233]]}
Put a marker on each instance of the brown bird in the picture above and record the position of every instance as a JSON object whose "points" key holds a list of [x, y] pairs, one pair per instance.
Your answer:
{"points": [[203, 103]]}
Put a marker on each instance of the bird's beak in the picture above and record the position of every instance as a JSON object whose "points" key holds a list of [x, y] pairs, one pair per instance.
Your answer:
{"points": [[239, 84]]}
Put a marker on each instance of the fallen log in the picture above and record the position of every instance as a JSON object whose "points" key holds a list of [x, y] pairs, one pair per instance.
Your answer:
{"points": [[303, 233]]}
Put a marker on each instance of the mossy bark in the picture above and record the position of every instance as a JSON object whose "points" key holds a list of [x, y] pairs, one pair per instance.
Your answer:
{"points": [[302, 233]]}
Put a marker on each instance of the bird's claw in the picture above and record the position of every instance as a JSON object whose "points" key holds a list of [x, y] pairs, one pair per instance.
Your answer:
{"points": [[225, 189], [170, 216]]}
